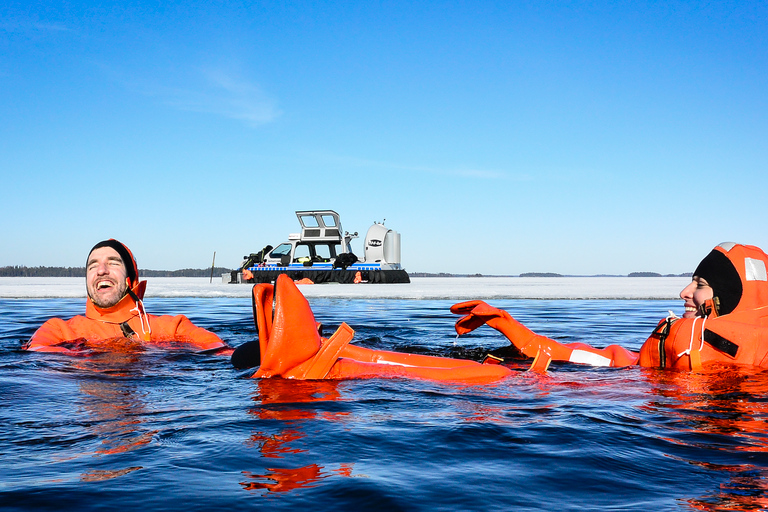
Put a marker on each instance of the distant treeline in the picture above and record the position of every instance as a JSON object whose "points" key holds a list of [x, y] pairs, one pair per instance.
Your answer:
{"points": [[548, 274], [654, 274], [185, 272], [18, 271], [443, 274]]}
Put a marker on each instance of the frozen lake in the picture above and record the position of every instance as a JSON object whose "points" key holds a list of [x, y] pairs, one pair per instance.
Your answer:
{"points": [[458, 288]]}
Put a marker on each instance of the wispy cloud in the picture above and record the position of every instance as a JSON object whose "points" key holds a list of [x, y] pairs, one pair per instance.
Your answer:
{"points": [[481, 173], [464, 172], [223, 94], [485, 174], [51, 27], [21, 26]]}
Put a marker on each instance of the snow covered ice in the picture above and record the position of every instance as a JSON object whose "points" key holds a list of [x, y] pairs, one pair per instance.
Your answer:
{"points": [[449, 288]]}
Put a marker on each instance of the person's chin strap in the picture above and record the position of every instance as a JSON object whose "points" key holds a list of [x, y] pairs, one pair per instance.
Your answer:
{"points": [[710, 308], [146, 329]]}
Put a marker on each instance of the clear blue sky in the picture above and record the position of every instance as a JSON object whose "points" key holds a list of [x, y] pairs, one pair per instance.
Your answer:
{"points": [[496, 137]]}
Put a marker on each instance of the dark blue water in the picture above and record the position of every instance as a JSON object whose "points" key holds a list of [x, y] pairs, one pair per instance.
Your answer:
{"points": [[178, 431]]}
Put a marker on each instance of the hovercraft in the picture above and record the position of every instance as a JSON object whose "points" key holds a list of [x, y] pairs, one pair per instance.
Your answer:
{"points": [[321, 253]]}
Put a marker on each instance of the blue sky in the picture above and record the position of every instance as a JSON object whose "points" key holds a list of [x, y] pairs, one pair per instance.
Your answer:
{"points": [[496, 137]]}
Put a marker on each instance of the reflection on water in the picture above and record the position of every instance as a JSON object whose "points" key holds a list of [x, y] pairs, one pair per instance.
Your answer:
{"points": [[288, 479], [113, 409], [286, 401], [114, 414], [99, 475], [721, 408], [721, 400], [185, 431]]}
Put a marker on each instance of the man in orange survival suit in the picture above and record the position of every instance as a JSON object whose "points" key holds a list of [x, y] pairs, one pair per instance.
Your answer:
{"points": [[290, 346], [725, 321], [114, 313]]}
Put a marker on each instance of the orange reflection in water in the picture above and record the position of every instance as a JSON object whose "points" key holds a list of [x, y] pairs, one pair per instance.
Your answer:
{"points": [[276, 399], [723, 400], [101, 475], [288, 479], [745, 490], [727, 400], [115, 410]]}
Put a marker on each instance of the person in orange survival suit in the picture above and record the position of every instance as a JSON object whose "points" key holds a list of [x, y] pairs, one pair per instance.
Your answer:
{"points": [[115, 318], [725, 321], [290, 346]]}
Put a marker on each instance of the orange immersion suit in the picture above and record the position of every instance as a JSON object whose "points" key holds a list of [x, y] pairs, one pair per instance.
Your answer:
{"points": [[291, 347], [739, 336], [122, 327]]}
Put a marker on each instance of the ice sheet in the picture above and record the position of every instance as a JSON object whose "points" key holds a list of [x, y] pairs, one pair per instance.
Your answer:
{"points": [[453, 288]]}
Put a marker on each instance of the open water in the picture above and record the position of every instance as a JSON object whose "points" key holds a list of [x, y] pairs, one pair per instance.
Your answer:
{"points": [[180, 431]]}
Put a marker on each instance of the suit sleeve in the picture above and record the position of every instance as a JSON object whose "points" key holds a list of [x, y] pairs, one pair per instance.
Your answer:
{"points": [[185, 330], [47, 338]]}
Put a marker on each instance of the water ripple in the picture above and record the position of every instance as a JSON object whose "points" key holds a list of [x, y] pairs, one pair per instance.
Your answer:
{"points": [[179, 431]]}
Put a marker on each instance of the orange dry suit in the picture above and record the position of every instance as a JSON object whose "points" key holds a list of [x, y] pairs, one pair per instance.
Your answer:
{"points": [[732, 328], [124, 326], [291, 347]]}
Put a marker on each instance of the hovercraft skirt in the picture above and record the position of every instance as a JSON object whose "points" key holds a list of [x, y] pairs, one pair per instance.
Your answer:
{"points": [[328, 276]]}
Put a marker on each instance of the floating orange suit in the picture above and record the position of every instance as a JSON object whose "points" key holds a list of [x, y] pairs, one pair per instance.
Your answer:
{"points": [[732, 326], [291, 347]]}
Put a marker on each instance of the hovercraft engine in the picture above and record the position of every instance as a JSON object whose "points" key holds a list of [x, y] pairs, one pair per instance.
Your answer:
{"points": [[382, 245]]}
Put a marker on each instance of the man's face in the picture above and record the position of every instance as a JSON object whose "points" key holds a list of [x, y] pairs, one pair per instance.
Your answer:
{"points": [[694, 295], [105, 277]]}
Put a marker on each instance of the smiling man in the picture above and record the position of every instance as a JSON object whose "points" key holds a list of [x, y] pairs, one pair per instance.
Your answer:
{"points": [[107, 277], [115, 315]]}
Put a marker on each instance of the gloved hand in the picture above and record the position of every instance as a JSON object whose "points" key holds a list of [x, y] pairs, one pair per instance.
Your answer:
{"points": [[477, 313]]}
